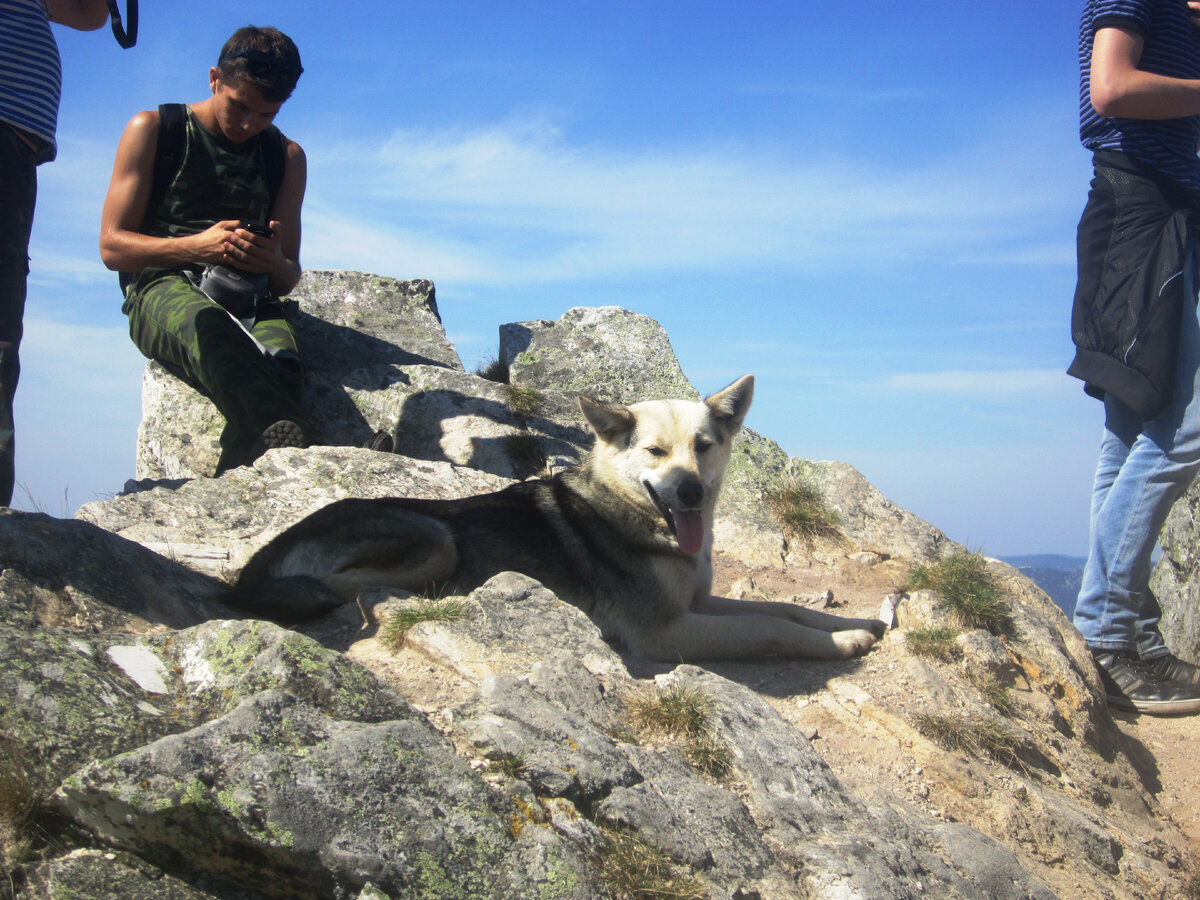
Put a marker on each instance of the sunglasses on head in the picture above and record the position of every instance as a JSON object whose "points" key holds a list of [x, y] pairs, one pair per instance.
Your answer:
{"points": [[263, 65]]}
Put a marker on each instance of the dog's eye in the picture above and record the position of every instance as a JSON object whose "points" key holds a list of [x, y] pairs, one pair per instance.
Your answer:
{"points": [[703, 445], [657, 452]]}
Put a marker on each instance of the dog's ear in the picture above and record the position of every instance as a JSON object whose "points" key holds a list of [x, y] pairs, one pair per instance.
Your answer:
{"points": [[608, 420], [731, 405]]}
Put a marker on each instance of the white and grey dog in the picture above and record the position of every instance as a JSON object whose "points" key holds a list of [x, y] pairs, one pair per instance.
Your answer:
{"points": [[626, 536]]}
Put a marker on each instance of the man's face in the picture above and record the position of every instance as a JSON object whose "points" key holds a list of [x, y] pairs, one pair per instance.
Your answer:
{"points": [[240, 108]]}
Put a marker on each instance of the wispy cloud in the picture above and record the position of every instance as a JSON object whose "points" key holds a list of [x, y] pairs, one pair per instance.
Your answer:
{"points": [[521, 202]]}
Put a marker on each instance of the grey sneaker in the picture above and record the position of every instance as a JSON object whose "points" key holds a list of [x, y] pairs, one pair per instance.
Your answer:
{"points": [[1132, 684]]}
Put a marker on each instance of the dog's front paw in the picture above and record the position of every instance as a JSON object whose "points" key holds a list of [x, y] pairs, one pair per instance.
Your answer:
{"points": [[855, 642]]}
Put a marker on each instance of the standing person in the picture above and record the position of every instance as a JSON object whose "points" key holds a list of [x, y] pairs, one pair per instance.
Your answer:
{"points": [[218, 230], [1134, 323], [30, 87]]}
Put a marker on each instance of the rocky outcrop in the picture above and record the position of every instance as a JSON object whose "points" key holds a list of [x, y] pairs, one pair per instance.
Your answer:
{"points": [[155, 746], [1176, 578]]}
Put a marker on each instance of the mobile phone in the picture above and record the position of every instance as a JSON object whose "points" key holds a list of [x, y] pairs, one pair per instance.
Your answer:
{"points": [[264, 230]]}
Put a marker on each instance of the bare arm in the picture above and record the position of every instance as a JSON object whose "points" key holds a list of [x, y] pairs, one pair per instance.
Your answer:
{"points": [[122, 247], [1120, 88], [84, 15]]}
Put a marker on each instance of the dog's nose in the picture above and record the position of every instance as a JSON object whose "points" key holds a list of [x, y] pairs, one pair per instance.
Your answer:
{"points": [[690, 493]]}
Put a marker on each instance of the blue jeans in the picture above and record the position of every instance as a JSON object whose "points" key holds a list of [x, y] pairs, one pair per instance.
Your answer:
{"points": [[1144, 467]]}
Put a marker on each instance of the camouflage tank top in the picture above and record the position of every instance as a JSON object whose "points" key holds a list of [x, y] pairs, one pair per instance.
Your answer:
{"points": [[217, 180]]}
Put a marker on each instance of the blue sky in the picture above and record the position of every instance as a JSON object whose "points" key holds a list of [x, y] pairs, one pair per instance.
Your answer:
{"points": [[871, 207]]}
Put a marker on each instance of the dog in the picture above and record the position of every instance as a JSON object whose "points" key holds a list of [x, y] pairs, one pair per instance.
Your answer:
{"points": [[626, 536]]}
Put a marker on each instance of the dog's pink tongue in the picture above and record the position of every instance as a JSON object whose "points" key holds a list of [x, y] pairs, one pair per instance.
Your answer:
{"points": [[689, 530]]}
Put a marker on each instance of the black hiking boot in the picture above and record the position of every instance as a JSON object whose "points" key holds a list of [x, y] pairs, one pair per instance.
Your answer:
{"points": [[283, 433], [1172, 668], [1133, 684]]}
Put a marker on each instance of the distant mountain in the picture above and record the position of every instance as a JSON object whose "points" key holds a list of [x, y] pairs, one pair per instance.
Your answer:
{"points": [[1059, 576]]}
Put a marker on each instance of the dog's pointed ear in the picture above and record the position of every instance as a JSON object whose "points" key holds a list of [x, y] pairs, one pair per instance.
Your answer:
{"points": [[608, 420], [731, 405]]}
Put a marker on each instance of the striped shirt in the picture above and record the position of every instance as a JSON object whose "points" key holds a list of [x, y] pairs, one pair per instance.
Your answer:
{"points": [[30, 72], [1172, 48]]}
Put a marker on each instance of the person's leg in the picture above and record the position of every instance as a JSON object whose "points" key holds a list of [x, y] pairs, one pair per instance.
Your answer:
{"points": [[1143, 470], [273, 330], [1105, 621], [18, 195], [173, 322]]}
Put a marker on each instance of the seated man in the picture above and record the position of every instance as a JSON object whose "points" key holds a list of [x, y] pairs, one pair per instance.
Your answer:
{"points": [[217, 218]]}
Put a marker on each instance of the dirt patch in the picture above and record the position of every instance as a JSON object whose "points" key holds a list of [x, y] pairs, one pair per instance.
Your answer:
{"points": [[856, 711]]}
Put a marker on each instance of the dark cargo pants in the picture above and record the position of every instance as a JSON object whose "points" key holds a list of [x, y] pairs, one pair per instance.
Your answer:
{"points": [[18, 194], [171, 321]]}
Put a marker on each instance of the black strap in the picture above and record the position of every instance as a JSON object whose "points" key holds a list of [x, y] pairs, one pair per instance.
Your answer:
{"points": [[168, 154], [274, 164], [126, 37]]}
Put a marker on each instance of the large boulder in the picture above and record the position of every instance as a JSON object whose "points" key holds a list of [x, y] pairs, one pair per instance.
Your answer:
{"points": [[154, 745]]}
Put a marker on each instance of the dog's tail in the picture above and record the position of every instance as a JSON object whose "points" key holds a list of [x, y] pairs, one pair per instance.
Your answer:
{"points": [[288, 600], [327, 558]]}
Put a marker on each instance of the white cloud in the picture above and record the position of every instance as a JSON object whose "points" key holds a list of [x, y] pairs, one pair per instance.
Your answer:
{"points": [[520, 202]]}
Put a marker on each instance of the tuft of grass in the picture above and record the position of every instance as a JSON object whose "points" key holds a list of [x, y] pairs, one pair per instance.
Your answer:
{"points": [[799, 507], [632, 869], [525, 450], [524, 401], [979, 737], [934, 642], [682, 714], [493, 370], [17, 803], [393, 630], [35, 504], [993, 691], [967, 588], [511, 764]]}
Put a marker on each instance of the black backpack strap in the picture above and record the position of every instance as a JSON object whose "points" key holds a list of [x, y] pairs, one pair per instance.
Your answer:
{"points": [[274, 147], [168, 155]]}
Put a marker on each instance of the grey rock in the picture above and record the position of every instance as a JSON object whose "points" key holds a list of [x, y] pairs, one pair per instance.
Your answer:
{"points": [[609, 353], [1176, 577], [180, 753], [356, 333]]}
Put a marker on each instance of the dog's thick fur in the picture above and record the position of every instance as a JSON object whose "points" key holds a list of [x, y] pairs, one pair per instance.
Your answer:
{"points": [[626, 536]]}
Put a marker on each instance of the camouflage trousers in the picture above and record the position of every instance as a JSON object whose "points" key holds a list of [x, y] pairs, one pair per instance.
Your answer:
{"points": [[18, 194], [252, 386]]}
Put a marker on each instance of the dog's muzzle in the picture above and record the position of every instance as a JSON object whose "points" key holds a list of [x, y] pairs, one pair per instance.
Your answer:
{"points": [[686, 524]]}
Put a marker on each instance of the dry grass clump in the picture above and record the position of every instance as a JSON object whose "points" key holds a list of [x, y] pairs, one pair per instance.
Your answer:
{"points": [[980, 737], [635, 870], [800, 508], [683, 714], [396, 626], [968, 590], [935, 642], [523, 402], [17, 804], [526, 451], [493, 370]]}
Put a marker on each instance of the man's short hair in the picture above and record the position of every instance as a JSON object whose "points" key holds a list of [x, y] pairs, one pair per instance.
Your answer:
{"points": [[264, 57]]}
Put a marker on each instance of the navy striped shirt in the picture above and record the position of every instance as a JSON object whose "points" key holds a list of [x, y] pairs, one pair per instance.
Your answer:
{"points": [[1171, 47], [30, 71]]}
